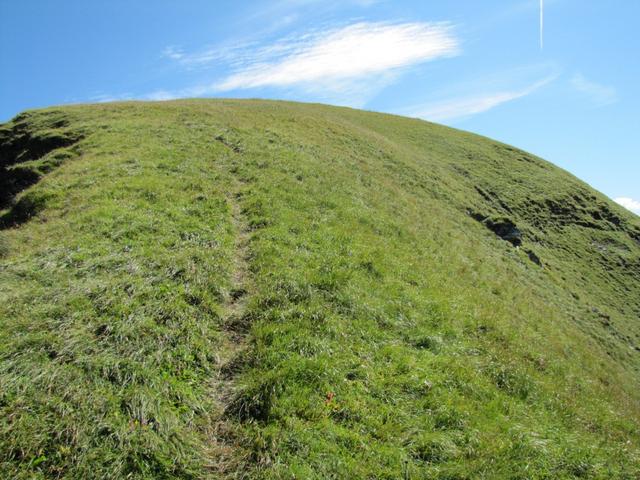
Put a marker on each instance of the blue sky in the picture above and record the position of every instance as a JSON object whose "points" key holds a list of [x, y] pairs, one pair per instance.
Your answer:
{"points": [[477, 65]]}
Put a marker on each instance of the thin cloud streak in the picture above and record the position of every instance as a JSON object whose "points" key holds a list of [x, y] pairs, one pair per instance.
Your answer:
{"points": [[600, 95], [336, 56], [231, 54], [107, 98], [346, 66], [173, 53], [464, 107]]}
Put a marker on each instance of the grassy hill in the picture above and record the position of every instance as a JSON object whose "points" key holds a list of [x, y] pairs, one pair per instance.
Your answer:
{"points": [[256, 289]]}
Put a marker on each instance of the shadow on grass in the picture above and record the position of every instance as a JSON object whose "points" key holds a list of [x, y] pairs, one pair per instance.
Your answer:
{"points": [[27, 153]]}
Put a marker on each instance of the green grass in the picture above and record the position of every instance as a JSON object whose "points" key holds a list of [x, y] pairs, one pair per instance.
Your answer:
{"points": [[254, 289]]}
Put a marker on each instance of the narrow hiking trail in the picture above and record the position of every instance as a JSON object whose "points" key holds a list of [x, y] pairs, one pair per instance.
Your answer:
{"points": [[234, 328]]}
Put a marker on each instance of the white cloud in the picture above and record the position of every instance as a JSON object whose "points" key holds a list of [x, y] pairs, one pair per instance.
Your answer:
{"points": [[161, 95], [333, 58], [344, 66], [173, 53], [468, 106], [106, 98], [629, 204], [601, 95], [227, 53]]}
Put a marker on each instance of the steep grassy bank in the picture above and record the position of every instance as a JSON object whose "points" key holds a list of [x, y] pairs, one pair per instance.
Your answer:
{"points": [[252, 289]]}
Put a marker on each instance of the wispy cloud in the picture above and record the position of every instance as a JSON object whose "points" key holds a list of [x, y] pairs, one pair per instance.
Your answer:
{"points": [[173, 53], [345, 65], [469, 105], [228, 54], [601, 95], [106, 97], [330, 58], [629, 204]]}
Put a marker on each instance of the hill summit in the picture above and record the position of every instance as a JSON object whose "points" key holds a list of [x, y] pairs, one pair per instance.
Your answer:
{"points": [[260, 289]]}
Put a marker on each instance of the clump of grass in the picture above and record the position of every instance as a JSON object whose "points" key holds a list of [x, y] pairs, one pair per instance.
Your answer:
{"points": [[4, 245]]}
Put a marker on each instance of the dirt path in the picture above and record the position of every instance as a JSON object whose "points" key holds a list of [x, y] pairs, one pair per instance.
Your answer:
{"points": [[225, 452]]}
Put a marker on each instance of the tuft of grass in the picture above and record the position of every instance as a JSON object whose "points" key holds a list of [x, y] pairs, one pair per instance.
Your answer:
{"points": [[4, 246], [257, 289]]}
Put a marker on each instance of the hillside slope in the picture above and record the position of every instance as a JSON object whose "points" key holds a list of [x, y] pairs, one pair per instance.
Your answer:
{"points": [[255, 289]]}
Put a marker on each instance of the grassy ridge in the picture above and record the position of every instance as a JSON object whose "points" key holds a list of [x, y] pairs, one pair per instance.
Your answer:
{"points": [[388, 331]]}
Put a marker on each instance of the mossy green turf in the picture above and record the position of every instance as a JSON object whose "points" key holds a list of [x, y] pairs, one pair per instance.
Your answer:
{"points": [[387, 332]]}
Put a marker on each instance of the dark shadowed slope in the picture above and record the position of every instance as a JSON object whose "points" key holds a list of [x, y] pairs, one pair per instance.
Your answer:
{"points": [[252, 289]]}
